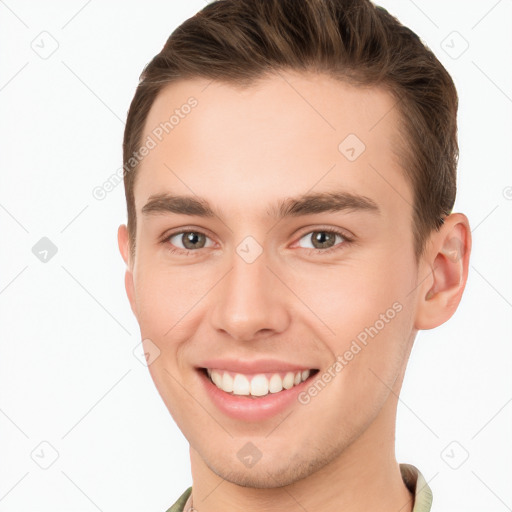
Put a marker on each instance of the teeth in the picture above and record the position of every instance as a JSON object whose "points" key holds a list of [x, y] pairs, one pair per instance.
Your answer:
{"points": [[288, 380], [227, 382], [256, 385], [276, 383], [259, 385], [241, 385]]}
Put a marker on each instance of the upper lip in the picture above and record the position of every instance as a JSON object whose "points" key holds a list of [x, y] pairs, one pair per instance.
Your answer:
{"points": [[253, 366]]}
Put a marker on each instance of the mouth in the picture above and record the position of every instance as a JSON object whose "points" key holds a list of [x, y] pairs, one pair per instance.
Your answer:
{"points": [[257, 385]]}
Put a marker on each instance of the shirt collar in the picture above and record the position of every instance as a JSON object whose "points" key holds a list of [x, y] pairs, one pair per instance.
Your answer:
{"points": [[416, 483], [411, 476]]}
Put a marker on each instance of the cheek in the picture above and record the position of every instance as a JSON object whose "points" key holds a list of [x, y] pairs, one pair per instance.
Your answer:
{"points": [[166, 295], [350, 298], [369, 312], [372, 319]]}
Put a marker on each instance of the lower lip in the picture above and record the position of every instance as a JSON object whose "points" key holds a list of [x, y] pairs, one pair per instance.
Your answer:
{"points": [[247, 408]]}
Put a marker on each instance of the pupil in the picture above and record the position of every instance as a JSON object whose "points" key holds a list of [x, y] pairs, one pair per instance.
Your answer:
{"points": [[191, 240], [321, 237]]}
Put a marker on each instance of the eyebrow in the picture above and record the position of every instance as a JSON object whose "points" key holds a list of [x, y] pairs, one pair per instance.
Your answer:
{"points": [[305, 204]]}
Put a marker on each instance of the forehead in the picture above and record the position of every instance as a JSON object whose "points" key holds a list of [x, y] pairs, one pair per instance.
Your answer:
{"points": [[287, 134]]}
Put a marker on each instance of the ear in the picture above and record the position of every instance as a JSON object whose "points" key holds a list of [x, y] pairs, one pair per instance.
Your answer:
{"points": [[446, 263], [123, 241]]}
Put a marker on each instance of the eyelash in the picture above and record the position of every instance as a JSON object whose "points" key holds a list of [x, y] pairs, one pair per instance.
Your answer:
{"points": [[317, 252]]}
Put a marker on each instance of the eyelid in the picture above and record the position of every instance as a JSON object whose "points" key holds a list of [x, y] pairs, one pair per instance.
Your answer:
{"points": [[185, 229], [311, 229]]}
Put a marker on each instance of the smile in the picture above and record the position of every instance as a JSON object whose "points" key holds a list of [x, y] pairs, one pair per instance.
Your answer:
{"points": [[257, 385]]}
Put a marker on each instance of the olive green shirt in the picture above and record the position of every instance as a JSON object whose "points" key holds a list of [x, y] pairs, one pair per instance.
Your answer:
{"points": [[411, 475]]}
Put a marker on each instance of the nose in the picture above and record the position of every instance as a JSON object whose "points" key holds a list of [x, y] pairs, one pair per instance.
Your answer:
{"points": [[249, 302]]}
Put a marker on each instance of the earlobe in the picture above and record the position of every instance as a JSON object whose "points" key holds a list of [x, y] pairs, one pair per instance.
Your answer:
{"points": [[123, 242], [448, 260]]}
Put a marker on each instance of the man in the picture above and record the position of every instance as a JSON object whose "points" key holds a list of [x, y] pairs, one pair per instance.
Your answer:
{"points": [[290, 176]]}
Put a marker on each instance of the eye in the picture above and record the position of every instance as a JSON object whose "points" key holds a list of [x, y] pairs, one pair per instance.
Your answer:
{"points": [[189, 240], [321, 241], [325, 240]]}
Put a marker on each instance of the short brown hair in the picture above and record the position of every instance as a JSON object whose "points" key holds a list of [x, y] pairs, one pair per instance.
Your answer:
{"points": [[239, 41]]}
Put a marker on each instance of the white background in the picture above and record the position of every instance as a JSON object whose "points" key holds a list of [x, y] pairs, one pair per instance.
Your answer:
{"points": [[68, 375]]}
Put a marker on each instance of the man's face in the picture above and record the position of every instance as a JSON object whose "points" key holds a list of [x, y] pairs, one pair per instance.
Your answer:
{"points": [[304, 290]]}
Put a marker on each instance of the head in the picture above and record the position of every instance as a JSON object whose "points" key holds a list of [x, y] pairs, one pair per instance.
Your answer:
{"points": [[249, 106]]}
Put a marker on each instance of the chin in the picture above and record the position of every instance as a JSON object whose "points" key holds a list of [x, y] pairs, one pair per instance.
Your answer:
{"points": [[267, 474]]}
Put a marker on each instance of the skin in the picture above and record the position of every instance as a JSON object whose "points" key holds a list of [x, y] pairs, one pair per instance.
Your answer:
{"points": [[242, 150]]}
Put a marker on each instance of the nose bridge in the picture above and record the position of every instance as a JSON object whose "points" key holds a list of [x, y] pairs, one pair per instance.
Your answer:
{"points": [[248, 301]]}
